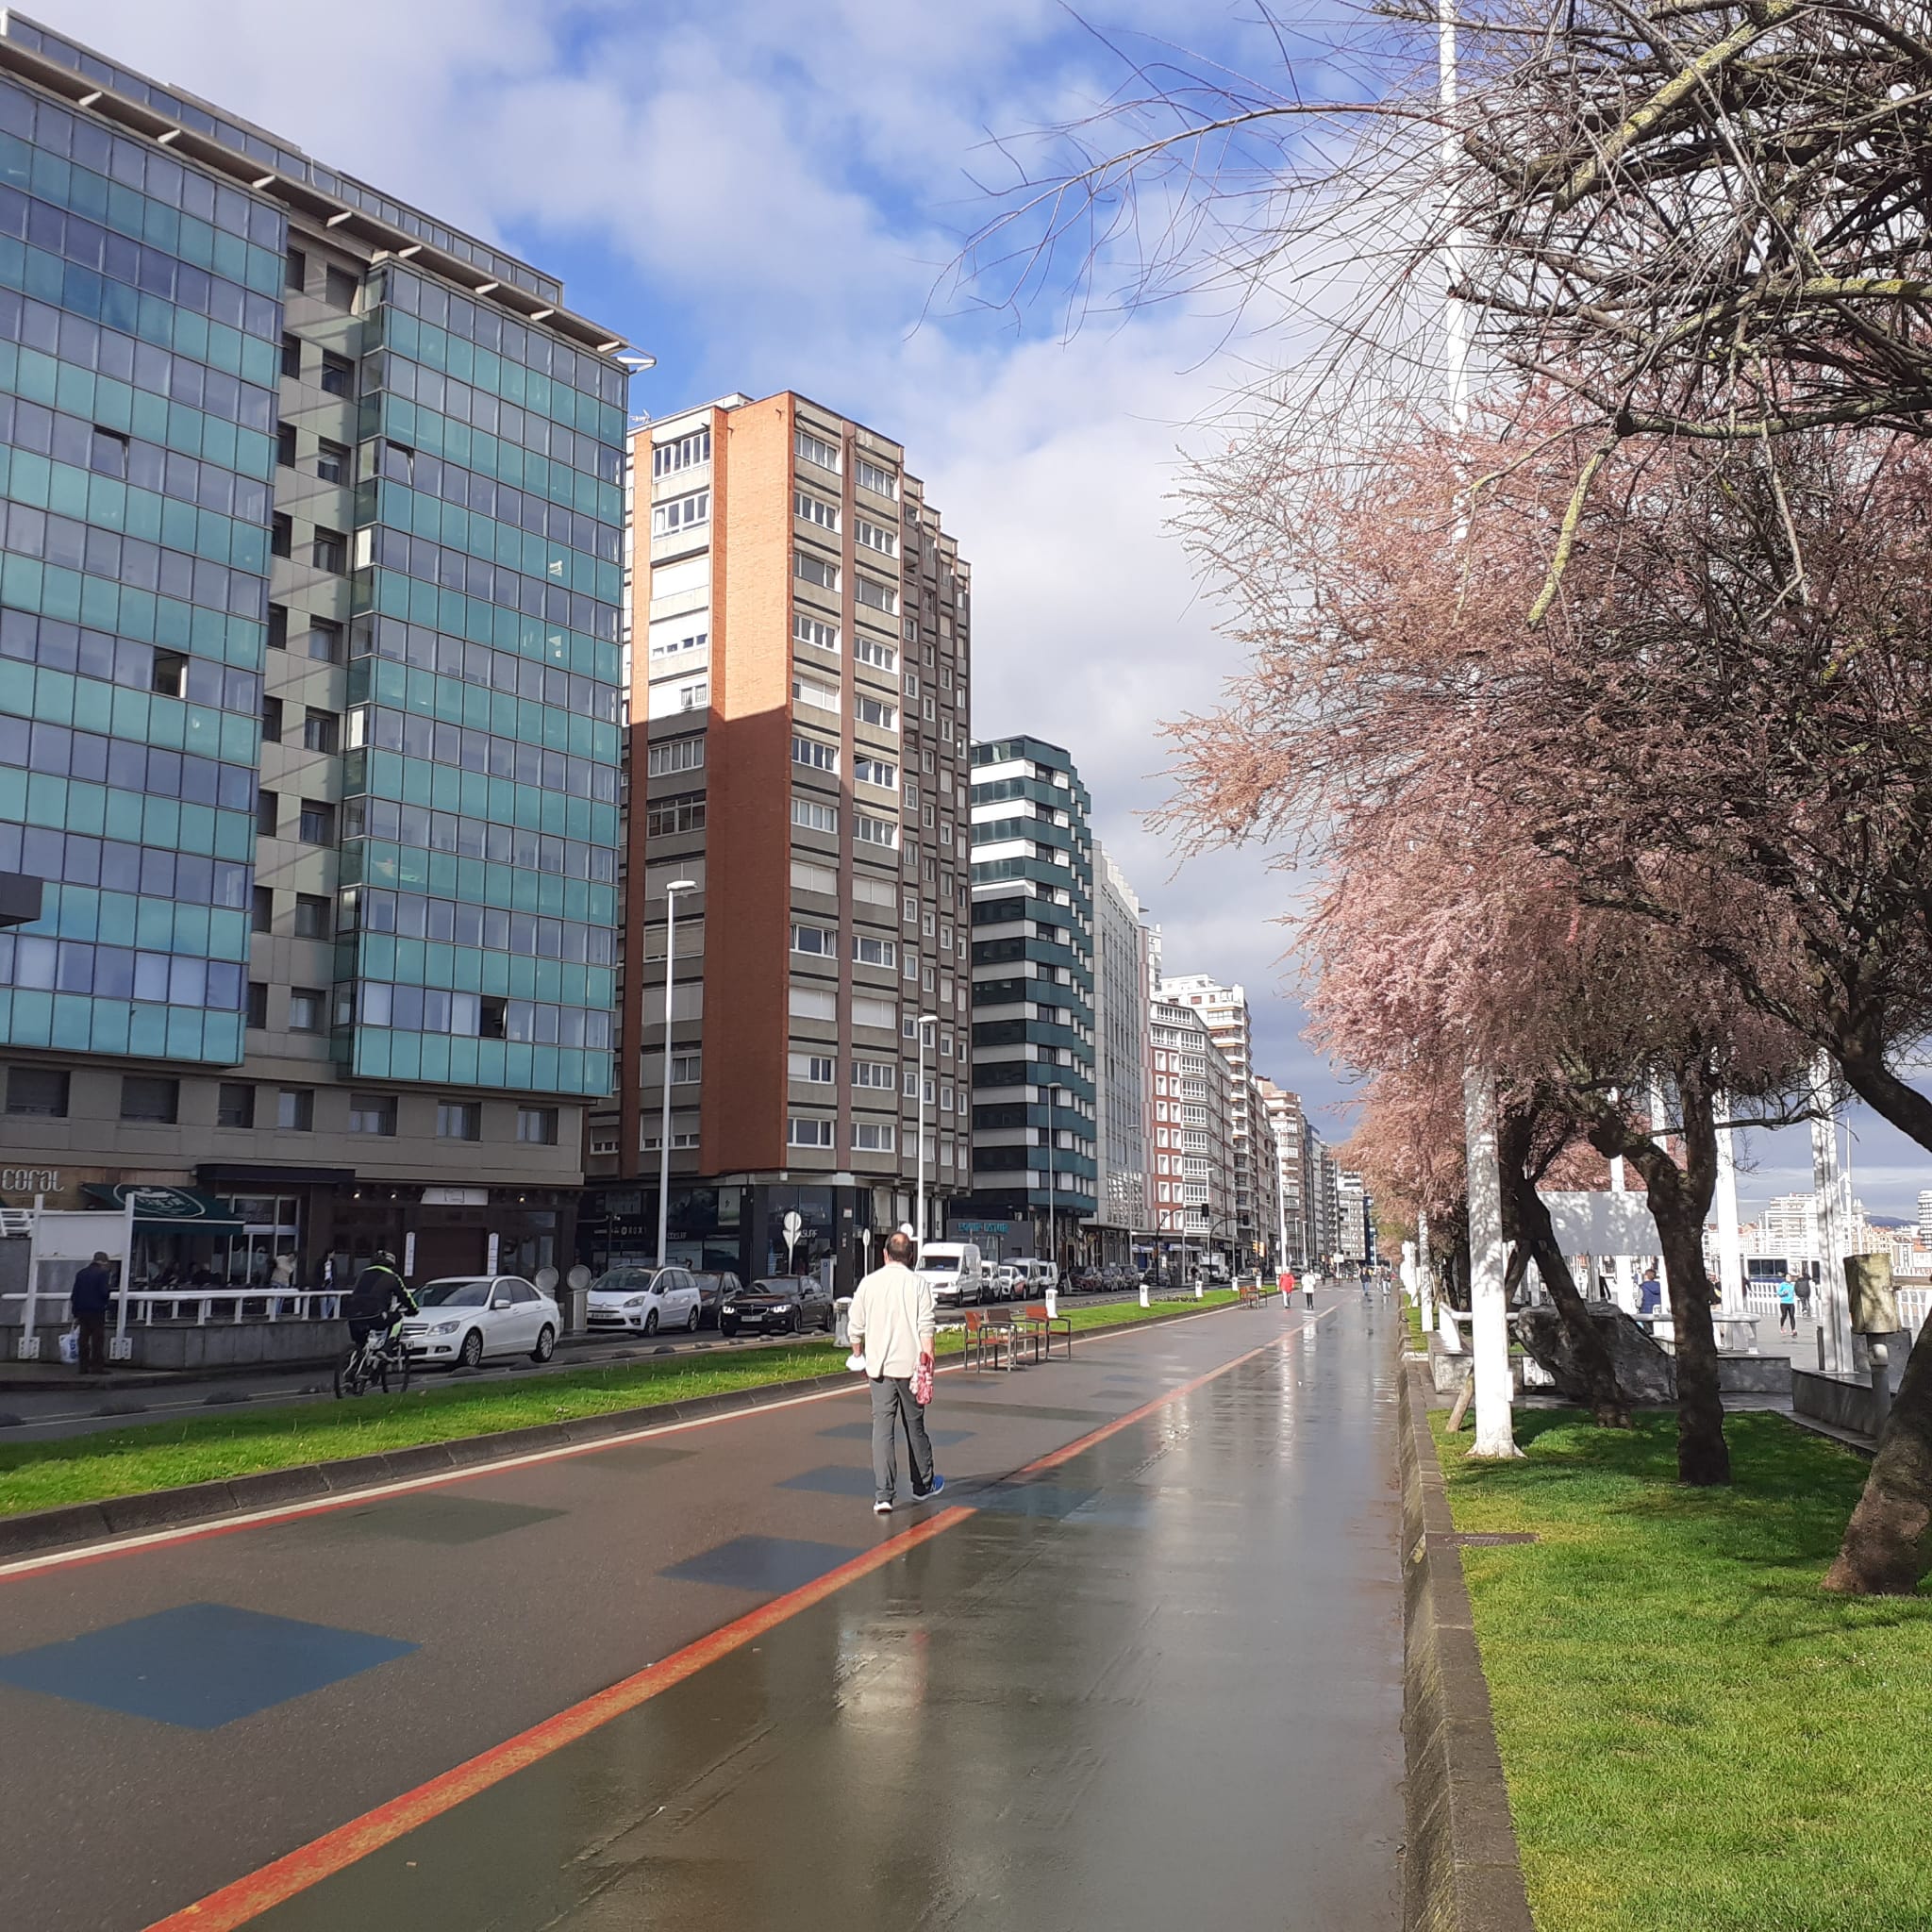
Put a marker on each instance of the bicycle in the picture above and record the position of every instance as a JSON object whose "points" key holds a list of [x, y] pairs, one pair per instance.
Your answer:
{"points": [[376, 1361]]}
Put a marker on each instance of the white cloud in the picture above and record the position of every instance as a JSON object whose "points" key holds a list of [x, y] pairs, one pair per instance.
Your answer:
{"points": [[771, 198]]}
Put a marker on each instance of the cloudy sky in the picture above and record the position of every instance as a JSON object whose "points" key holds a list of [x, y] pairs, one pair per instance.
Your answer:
{"points": [[767, 195]]}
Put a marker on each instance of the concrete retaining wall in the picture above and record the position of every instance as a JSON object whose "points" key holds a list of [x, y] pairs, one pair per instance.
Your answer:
{"points": [[1461, 1871], [1834, 1399], [210, 1346]]}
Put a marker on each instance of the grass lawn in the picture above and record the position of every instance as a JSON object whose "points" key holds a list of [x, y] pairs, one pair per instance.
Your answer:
{"points": [[156, 1455], [1412, 1314], [1696, 1740]]}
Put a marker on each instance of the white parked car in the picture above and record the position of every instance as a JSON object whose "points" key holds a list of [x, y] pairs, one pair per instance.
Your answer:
{"points": [[1008, 1280], [467, 1318], [640, 1301]]}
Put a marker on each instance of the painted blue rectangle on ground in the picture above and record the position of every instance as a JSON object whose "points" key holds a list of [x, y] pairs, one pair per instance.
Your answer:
{"points": [[199, 1666], [770, 1563]]}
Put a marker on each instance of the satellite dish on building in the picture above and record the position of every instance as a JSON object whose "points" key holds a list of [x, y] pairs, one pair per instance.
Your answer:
{"points": [[546, 1280], [579, 1276]]}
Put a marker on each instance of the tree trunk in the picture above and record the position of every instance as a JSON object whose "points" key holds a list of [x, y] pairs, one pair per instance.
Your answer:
{"points": [[1537, 1234], [1680, 1200], [1887, 1543]]}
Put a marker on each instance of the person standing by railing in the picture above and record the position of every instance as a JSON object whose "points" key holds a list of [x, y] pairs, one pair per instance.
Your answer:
{"points": [[94, 1290]]}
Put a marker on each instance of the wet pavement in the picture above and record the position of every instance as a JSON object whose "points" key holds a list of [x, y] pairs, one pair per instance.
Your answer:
{"points": [[1141, 1668]]}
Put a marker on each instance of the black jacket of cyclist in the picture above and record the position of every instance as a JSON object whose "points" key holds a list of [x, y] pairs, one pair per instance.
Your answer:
{"points": [[378, 1298]]}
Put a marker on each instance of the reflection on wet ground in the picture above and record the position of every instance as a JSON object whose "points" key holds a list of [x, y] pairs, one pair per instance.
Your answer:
{"points": [[1158, 1688]]}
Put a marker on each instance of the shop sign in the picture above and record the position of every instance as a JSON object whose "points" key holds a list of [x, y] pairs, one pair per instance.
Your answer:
{"points": [[30, 1180]]}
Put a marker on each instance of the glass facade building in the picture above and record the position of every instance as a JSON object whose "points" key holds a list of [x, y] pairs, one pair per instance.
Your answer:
{"points": [[478, 889], [139, 323], [310, 571]]}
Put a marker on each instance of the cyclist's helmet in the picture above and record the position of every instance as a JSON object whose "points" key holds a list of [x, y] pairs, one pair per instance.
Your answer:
{"points": [[384, 1259]]}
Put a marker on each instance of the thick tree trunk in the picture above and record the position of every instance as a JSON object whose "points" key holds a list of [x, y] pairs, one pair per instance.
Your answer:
{"points": [[1536, 1240], [1887, 1543], [1680, 1200], [1703, 1455]]}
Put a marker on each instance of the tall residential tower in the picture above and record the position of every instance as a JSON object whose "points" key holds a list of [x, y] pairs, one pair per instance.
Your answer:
{"points": [[800, 656]]}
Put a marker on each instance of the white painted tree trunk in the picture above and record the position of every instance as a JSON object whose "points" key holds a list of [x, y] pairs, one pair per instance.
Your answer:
{"points": [[1426, 1272], [1489, 1313]]}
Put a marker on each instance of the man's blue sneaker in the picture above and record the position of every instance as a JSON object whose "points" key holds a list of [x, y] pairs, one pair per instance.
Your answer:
{"points": [[939, 1484]]}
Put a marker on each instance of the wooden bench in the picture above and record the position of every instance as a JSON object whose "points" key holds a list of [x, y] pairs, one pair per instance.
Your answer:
{"points": [[1044, 1328], [1252, 1294]]}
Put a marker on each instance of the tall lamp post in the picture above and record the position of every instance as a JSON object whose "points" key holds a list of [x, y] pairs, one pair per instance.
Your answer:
{"points": [[671, 893], [925, 1021], [1051, 1092]]}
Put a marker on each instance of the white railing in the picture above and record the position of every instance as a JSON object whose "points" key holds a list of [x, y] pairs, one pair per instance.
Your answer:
{"points": [[171, 1306]]}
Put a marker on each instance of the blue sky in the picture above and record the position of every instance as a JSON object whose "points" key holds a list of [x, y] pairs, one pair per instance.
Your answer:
{"points": [[768, 195]]}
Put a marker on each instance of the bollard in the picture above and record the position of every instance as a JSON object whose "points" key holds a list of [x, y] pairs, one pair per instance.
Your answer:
{"points": [[841, 1332], [1197, 1290], [1052, 1304], [1144, 1302]]}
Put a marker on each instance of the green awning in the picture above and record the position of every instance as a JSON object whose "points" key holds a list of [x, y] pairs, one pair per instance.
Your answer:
{"points": [[167, 1210]]}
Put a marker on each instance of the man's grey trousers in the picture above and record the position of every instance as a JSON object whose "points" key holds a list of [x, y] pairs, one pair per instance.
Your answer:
{"points": [[891, 1402]]}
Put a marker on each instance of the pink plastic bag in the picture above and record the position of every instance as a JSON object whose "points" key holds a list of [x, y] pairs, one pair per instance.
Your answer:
{"points": [[922, 1381]]}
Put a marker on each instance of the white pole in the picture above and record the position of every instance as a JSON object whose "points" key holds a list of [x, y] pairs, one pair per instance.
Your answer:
{"points": [[1455, 317], [924, 1021], [120, 1349], [29, 1350], [671, 893], [1051, 1254], [1833, 1316], [1731, 1250], [1489, 1326]]}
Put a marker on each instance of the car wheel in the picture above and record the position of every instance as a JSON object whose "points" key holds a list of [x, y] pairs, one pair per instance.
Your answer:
{"points": [[546, 1344], [471, 1355], [690, 1328], [650, 1320], [727, 1329]]}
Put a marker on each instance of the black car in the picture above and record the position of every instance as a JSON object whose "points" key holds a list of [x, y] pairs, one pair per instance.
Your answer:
{"points": [[778, 1305], [714, 1291]]}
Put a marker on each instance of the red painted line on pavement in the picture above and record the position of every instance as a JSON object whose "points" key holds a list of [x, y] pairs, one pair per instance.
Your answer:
{"points": [[243, 1899]]}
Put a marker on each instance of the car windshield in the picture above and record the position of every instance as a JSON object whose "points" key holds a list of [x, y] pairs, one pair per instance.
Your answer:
{"points": [[774, 1284], [455, 1294], [939, 1264], [624, 1281]]}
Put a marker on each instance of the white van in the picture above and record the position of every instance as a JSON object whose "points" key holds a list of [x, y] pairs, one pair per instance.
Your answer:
{"points": [[953, 1272], [1041, 1275]]}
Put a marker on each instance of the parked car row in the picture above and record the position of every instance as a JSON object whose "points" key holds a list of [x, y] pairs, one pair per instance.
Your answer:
{"points": [[469, 1319]]}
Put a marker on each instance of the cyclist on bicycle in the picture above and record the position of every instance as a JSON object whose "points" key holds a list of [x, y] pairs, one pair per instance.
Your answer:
{"points": [[377, 1303]]}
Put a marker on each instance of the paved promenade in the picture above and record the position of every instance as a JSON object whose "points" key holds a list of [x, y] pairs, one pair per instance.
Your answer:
{"points": [[1141, 1668]]}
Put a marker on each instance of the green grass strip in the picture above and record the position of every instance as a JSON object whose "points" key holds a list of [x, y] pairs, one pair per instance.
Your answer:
{"points": [[159, 1455], [1697, 1739]]}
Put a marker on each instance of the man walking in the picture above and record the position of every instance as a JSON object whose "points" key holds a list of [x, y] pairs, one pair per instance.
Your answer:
{"points": [[890, 1324], [93, 1288]]}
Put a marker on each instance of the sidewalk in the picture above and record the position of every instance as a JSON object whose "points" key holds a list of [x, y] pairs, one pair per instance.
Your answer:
{"points": [[1141, 1668]]}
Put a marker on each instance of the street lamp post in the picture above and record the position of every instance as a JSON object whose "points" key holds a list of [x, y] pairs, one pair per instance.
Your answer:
{"points": [[671, 893], [925, 1021], [1051, 1246]]}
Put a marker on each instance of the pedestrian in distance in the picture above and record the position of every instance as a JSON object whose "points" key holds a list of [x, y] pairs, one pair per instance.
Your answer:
{"points": [[891, 1326], [1650, 1293], [1787, 1306], [1804, 1288], [93, 1288]]}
